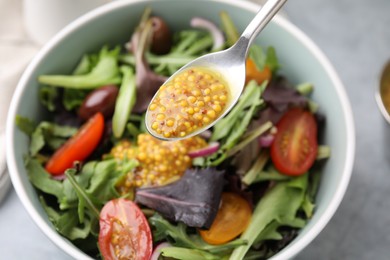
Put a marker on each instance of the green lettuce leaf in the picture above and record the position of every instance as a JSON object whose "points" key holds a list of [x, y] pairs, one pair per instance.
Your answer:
{"points": [[125, 101], [105, 72], [281, 204]]}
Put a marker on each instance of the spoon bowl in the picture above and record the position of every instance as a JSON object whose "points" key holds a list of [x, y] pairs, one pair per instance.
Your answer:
{"points": [[229, 63]]}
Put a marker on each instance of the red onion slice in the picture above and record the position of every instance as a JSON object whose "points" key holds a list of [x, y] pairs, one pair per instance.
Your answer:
{"points": [[216, 33], [157, 250], [60, 177], [209, 150], [266, 140]]}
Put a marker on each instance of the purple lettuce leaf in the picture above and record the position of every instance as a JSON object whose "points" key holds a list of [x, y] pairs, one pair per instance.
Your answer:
{"points": [[193, 200], [147, 81], [279, 96]]}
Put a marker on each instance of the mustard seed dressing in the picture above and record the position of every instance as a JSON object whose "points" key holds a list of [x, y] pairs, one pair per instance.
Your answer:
{"points": [[190, 101]]}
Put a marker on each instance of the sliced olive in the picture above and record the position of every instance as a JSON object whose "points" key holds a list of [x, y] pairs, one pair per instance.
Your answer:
{"points": [[162, 36], [100, 100]]}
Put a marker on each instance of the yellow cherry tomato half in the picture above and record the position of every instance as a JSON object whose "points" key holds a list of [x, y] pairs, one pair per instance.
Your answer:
{"points": [[232, 219], [252, 73]]}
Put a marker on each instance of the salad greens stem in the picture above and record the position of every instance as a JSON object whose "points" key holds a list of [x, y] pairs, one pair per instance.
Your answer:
{"points": [[250, 95], [125, 102], [172, 59], [305, 88], [252, 135], [82, 194], [229, 28], [189, 38], [204, 43], [257, 167], [323, 152], [188, 254]]}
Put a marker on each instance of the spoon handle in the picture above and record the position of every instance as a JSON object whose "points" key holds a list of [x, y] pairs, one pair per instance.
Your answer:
{"points": [[268, 10]]}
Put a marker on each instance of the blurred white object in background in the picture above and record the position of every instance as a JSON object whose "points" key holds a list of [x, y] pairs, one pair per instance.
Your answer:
{"points": [[44, 18], [5, 181]]}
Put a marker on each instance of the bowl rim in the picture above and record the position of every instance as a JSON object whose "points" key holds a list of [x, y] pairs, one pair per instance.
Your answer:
{"points": [[288, 252]]}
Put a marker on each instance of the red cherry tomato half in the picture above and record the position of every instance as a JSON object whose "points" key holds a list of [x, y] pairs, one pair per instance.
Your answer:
{"points": [[78, 147], [124, 231], [294, 148]]}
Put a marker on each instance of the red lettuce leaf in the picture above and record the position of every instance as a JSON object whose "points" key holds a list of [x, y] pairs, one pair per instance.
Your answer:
{"points": [[279, 96], [193, 200], [147, 81]]}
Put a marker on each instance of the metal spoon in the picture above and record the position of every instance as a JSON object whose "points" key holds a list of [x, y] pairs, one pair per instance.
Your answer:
{"points": [[382, 94], [229, 63]]}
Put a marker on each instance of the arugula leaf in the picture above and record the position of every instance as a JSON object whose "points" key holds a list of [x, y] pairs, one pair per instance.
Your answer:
{"points": [[188, 254], [262, 59], [50, 134], [281, 203], [178, 236], [272, 60], [107, 173], [83, 179], [229, 28], [73, 98], [48, 96], [42, 179], [242, 124], [66, 223], [84, 66], [25, 125], [257, 55], [105, 72], [249, 98], [270, 174], [85, 200]]}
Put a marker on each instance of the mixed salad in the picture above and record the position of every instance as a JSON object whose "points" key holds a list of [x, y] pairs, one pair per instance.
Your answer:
{"points": [[241, 190]]}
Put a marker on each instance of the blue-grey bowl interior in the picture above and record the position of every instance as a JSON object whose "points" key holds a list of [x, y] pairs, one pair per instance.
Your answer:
{"points": [[114, 23]]}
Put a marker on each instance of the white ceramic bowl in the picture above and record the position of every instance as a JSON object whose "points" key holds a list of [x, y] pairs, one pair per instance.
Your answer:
{"points": [[113, 23]]}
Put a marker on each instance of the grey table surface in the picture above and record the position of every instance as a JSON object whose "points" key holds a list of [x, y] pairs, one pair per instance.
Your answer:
{"points": [[355, 36]]}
